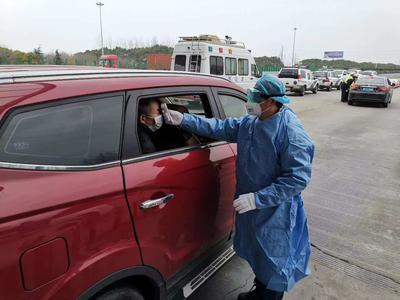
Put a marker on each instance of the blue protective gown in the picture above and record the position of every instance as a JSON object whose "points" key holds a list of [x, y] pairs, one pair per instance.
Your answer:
{"points": [[274, 162]]}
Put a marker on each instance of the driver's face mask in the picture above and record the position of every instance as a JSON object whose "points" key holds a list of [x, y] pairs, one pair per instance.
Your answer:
{"points": [[158, 122]]}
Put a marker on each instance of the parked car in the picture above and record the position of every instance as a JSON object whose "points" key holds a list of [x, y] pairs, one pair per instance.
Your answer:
{"points": [[368, 73], [355, 71], [298, 80], [327, 80], [85, 214], [340, 73], [375, 90]]}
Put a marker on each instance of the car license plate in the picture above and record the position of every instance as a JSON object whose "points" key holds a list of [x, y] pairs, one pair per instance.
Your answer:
{"points": [[368, 89]]}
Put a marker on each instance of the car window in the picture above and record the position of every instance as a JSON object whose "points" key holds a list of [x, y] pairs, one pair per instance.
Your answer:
{"points": [[233, 106], [289, 73], [230, 66], [80, 133], [195, 63], [169, 137], [303, 74], [216, 65], [320, 74], [371, 81], [180, 63], [253, 70], [243, 67]]}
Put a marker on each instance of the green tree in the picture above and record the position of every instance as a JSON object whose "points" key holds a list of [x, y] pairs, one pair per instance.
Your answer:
{"points": [[265, 61], [38, 56], [57, 58]]}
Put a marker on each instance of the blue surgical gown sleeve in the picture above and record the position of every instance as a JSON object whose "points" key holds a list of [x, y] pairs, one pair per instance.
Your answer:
{"points": [[295, 156], [223, 130]]}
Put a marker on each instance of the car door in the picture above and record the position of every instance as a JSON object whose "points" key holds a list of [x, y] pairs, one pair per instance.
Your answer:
{"points": [[64, 220], [181, 198], [309, 81]]}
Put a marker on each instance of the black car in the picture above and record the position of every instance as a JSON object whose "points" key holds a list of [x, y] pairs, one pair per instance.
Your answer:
{"points": [[371, 90]]}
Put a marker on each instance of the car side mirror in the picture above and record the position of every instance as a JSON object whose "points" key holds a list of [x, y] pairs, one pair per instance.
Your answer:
{"points": [[393, 84]]}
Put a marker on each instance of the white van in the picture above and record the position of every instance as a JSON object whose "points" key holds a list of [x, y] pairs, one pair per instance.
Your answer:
{"points": [[211, 55]]}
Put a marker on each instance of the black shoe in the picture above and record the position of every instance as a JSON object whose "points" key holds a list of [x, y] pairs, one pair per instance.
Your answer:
{"points": [[253, 294], [260, 292]]}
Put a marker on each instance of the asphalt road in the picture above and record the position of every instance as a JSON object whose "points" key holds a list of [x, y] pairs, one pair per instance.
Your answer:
{"points": [[353, 205]]}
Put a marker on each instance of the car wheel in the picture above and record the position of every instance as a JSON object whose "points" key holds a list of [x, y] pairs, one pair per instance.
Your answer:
{"points": [[385, 104], [329, 88], [350, 102], [338, 87], [314, 90], [301, 92], [121, 293]]}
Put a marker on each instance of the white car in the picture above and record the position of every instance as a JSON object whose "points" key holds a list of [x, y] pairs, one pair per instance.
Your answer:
{"points": [[368, 74], [355, 71], [298, 80], [327, 80], [340, 73]]}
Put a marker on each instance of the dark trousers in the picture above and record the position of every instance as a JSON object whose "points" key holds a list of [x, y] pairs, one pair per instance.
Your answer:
{"points": [[345, 92], [268, 294]]}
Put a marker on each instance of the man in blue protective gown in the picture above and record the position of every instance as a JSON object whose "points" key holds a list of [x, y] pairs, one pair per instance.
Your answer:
{"points": [[273, 168]]}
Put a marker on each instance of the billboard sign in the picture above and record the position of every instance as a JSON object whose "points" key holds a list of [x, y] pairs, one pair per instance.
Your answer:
{"points": [[333, 54]]}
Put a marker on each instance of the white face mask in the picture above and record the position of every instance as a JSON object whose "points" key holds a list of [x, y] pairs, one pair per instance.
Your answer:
{"points": [[255, 109], [158, 123]]}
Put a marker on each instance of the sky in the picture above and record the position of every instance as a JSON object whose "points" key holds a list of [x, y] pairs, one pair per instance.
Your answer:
{"points": [[366, 30]]}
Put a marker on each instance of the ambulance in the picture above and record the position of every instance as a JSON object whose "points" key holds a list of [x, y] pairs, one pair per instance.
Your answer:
{"points": [[211, 55]]}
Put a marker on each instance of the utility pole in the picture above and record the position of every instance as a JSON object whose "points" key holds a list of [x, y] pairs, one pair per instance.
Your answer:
{"points": [[281, 54], [294, 44], [99, 4]]}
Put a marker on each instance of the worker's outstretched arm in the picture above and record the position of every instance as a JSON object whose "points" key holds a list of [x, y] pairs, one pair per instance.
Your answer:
{"points": [[223, 130], [296, 156]]}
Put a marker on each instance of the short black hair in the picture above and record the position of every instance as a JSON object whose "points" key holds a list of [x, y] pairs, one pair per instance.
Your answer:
{"points": [[144, 106]]}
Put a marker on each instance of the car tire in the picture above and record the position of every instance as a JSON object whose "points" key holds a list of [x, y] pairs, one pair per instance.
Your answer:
{"points": [[301, 92], [385, 104], [329, 88], [121, 293], [338, 87], [314, 90], [349, 102]]}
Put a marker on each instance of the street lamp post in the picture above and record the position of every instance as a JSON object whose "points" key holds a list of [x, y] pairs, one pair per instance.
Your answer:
{"points": [[99, 4], [294, 44]]}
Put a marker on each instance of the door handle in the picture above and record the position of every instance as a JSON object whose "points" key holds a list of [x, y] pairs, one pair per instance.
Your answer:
{"points": [[156, 202]]}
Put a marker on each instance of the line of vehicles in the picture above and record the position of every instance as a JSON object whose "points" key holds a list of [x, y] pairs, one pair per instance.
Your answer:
{"points": [[231, 59], [369, 86]]}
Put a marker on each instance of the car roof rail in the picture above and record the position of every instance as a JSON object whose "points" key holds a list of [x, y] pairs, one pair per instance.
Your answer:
{"points": [[51, 74]]}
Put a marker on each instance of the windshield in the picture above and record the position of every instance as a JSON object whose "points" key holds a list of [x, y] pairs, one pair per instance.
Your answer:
{"points": [[371, 81], [369, 73], [289, 73], [337, 73], [320, 74]]}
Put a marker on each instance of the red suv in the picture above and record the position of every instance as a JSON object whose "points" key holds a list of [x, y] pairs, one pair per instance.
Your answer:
{"points": [[84, 213]]}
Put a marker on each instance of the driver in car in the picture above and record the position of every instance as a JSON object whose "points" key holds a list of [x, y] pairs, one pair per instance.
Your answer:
{"points": [[154, 134]]}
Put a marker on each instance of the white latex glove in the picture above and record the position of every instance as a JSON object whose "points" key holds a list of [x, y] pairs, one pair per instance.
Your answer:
{"points": [[171, 117], [245, 203]]}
